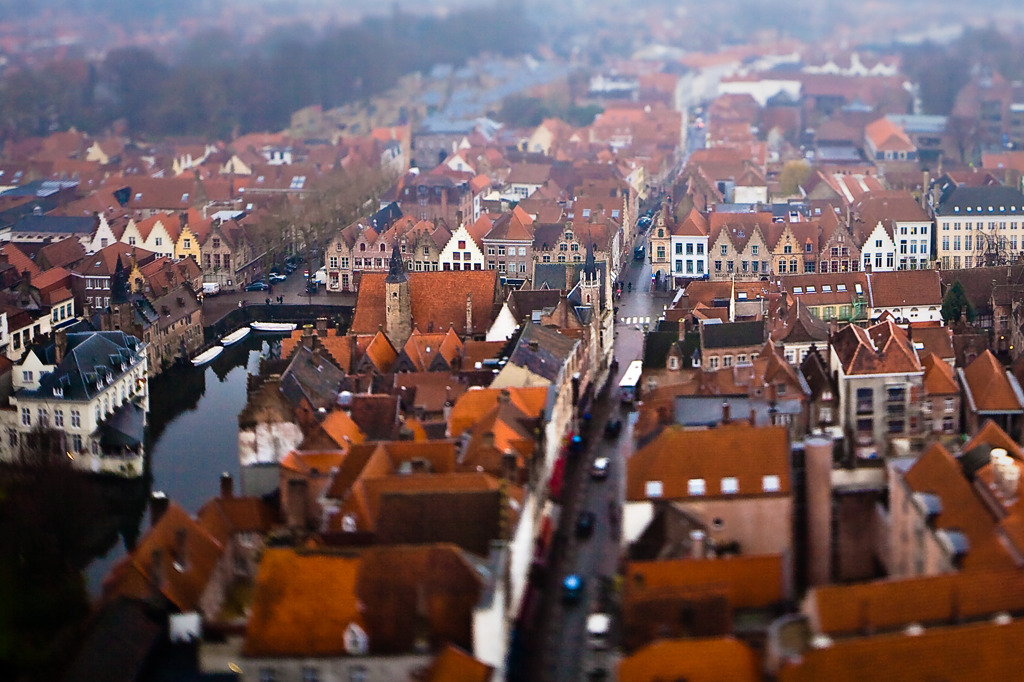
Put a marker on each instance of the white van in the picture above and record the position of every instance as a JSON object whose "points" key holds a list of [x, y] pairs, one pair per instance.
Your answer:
{"points": [[598, 625], [211, 288], [320, 277]]}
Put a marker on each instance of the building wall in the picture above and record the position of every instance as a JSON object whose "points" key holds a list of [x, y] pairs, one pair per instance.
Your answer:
{"points": [[878, 252], [913, 548], [953, 249], [689, 256], [340, 668]]}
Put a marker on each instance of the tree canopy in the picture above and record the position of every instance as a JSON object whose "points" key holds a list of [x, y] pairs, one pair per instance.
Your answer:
{"points": [[956, 300]]}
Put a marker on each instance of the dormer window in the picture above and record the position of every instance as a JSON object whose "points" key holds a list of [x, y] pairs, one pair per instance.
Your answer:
{"points": [[696, 486], [58, 392], [771, 483]]}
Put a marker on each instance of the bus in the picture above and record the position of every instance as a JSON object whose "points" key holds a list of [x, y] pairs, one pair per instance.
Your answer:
{"points": [[629, 386]]}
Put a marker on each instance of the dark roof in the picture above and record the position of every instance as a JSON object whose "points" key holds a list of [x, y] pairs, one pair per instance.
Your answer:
{"points": [[985, 200], [732, 334], [315, 379], [124, 626], [90, 358], [126, 427], [542, 351], [54, 224]]}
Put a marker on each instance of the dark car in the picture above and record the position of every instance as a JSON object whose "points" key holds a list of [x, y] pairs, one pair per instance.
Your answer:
{"points": [[258, 285], [612, 429], [311, 288], [585, 524], [572, 588]]}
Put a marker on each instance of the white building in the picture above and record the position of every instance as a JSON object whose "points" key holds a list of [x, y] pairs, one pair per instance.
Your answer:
{"points": [[461, 252], [92, 388], [689, 246], [979, 225], [894, 230]]}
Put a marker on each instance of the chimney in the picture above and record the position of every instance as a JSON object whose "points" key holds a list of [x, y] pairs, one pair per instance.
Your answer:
{"points": [[183, 220], [419, 465], [158, 504], [307, 336], [227, 486], [180, 562], [926, 182], [725, 412], [508, 466], [753, 416], [696, 544], [295, 505], [458, 218], [469, 314], [321, 326], [60, 346], [833, 326]]}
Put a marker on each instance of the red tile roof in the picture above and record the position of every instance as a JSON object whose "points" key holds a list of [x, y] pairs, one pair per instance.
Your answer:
{"points": [[989, 387], [693, 660], [302, 604], [678, 454], [748, 581], [438, 299]]}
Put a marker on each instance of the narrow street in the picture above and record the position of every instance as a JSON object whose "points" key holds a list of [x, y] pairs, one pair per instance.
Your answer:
{"points": [[561, 653]]}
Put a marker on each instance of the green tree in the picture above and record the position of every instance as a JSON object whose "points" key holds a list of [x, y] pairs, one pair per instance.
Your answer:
{"points": [[792, 176], [956, 300]]}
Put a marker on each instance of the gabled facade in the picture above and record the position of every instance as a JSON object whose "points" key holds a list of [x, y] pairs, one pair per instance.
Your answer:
{"points": [[461, 252], [689, 246]]}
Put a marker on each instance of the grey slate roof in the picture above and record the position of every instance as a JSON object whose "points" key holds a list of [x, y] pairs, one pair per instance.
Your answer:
{"points": [[732, 334], [54, 224], [316, 381], [985, 200], [552, 351], [90, 358]]}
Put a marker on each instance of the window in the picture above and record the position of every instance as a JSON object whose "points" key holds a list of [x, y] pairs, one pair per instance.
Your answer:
{"points": [[653, 489], [131, 241], [725, 250], [159, 241], [753, 250], [76, 419], [950, 403], [26, 416], [58, 418], [696, 486], [689, 249], [357, 674], [865, 400], [186, 243], [27, 376], [344, 263], [726, 361], [76, 443], [268, 675], [713, 362], [771, 483], [44, 417], [310, 674], [730, 485]]}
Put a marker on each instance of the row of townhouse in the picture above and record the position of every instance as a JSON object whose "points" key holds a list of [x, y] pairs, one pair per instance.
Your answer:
{"points": [[511, 243], [885, 231]]}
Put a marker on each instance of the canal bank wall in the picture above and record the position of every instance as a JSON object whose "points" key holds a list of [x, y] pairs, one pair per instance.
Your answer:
{"points": [[338, 316]]}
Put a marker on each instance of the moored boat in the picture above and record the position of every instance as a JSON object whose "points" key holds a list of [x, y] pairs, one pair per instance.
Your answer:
{"points": [[235, 336], [281, 327], [207, 355]]}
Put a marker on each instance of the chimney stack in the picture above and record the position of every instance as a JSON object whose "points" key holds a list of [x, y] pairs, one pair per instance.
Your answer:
{"points": [[227, 486], [469, 314], [321, 326], [295, 505], [60, 346], [158, 504], [697, 544], [725, 412]]}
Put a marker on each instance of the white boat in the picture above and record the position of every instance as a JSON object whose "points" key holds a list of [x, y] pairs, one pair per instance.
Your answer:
{"points": [[280, 327], [235, 336], [207, 355]]}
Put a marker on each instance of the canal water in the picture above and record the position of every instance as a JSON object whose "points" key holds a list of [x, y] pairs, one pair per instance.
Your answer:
{"points": [[192, 439]]}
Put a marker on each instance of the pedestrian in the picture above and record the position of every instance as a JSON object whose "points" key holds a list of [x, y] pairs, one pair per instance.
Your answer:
{"points": [[268, 300], [239, 304]]}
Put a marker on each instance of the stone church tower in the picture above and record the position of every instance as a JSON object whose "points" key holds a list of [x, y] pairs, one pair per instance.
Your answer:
{"points": [[398, 302]]}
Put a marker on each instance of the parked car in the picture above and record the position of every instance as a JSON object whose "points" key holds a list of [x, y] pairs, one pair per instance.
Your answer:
{"points": [[612, 429], [211, 288], [311, 288], [277, 277], [585, 524], [572, 588], [599, 469], [258, 285]]}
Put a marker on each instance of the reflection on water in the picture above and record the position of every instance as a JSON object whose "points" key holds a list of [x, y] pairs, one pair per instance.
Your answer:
{"points": [[192, 438]]}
